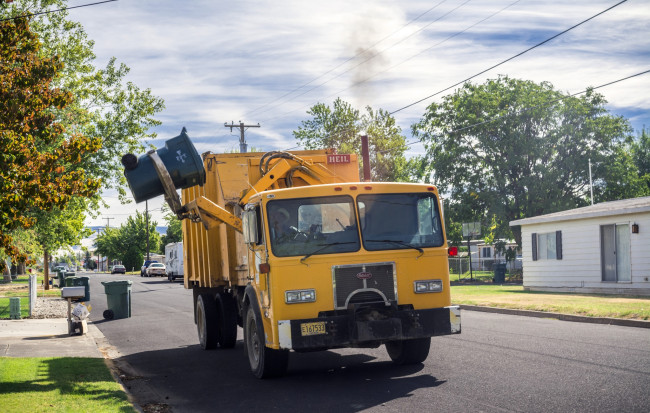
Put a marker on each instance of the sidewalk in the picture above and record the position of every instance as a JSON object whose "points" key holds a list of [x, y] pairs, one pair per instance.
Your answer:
{"points": [[46, 337]]}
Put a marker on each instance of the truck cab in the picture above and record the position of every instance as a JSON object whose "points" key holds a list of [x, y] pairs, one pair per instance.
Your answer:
{"points": [[350, 265]]}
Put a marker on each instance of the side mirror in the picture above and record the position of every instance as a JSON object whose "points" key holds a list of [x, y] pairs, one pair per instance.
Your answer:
{"points": [[249, 226]]}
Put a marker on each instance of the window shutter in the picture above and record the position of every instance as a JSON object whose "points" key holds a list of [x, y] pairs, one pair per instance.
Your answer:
{"points": [[534, 246], [558, 245]]}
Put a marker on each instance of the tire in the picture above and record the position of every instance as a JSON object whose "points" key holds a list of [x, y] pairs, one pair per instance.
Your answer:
{"points": [[409, 351], [227, 316], [265, 362], [108, 314], [206, 322]]}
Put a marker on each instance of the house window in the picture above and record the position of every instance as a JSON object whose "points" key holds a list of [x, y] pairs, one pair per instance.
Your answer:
{"points": [[547, 246], [487, 252]]}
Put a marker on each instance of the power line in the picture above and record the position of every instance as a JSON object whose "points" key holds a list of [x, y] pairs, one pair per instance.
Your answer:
{"points": [[510, 58], [524, 110], [346, 61], [57, 10], [380, 52], [405, 60]]}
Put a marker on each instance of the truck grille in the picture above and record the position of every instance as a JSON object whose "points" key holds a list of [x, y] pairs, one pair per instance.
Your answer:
{"points": [[361, 283]]}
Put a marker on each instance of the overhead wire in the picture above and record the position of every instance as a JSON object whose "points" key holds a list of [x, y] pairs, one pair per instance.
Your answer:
{"points": [[405, 60], [510, 58], [344, 62], [56, 11], [524, 110]]}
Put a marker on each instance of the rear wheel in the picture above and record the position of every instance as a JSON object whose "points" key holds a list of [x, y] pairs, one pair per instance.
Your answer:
{"points": [[409, 351], [227, 316], [265, 362], [206, 321]]}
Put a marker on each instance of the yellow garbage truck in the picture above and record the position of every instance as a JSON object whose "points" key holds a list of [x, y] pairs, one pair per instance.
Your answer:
{"points": [[296, 250]]}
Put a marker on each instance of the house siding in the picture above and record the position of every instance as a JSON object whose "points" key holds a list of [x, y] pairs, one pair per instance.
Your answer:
{"points": [[580, 266]]}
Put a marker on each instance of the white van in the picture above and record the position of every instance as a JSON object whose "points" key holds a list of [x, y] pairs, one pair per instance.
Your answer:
{"points": [[174, 260]]}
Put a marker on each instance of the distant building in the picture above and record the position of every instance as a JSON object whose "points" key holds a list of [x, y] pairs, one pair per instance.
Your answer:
{"points": [[602, 248]]}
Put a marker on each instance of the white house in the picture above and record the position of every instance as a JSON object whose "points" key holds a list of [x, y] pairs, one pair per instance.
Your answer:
{"points": [[602, 248]]}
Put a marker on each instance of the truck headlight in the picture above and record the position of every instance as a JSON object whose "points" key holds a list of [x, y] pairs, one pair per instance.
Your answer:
{"points": [[300, 296], [428, 286]]}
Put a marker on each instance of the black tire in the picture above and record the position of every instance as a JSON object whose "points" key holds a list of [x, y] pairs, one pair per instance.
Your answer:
{"points": [[227, 315], [265, 362], [108, 314], [409, 351], [206, 321]]}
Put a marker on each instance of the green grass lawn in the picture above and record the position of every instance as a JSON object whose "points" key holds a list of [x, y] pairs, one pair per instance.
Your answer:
{"points": [[64, 384], [514, 297]]}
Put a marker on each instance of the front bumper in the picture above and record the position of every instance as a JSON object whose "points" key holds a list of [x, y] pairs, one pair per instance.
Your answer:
{"points": [[365, 326]]}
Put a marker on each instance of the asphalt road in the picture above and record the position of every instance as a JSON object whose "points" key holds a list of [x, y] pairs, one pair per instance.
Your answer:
{"points": [[499, 363]]}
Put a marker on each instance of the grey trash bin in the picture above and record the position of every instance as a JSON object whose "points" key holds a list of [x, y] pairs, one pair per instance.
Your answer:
{"points": [[499, 273]]}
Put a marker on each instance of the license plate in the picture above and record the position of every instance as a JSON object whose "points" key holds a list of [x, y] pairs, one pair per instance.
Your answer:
{"points": [[312, 329]]}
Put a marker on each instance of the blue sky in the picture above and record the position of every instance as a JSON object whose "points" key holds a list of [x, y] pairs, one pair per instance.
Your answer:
{"points": [[214, 62]]}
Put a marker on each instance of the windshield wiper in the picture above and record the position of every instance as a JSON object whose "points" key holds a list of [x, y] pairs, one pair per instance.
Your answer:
{"points": [[394, 241], [325, 246]]}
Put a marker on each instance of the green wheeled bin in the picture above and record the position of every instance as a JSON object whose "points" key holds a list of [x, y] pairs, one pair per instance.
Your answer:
{"points": [[499, 273], [118, 297], [79, 281], [67, 274]]}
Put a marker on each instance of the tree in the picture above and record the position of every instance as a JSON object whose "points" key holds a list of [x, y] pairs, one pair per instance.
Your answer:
{"points": [[128, 243], [174, 229], [40, 162], [641, 155], [339, 127], [105, 107], [512, 148]]}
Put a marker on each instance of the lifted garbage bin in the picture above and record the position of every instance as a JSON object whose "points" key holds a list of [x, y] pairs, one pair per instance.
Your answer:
{"points": [[499, 273], [118, 297]]}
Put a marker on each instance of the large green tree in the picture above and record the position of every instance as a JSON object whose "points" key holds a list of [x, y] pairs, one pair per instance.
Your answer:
{"points": [[640, 149], [128, 243], [340, 126], [103, 107], [40, 159], [508, 149]]}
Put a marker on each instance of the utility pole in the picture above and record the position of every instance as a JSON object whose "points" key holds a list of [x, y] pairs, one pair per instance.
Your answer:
{"points": [[108, 225], [146, 214], [108, 219], [242, 141]]}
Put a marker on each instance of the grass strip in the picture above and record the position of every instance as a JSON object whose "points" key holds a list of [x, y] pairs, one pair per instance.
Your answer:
{"points": [[64, 384], [590, 305]]}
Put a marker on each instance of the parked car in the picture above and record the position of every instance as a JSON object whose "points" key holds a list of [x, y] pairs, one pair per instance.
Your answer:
{"points": [[59, 268], [118, 269], [145, 264], [156, 269]]}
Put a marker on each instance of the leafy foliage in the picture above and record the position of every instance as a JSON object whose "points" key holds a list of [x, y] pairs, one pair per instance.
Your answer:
{"points": [[40, 160], [339, 127], [128, 243], [512, 148], [174, 229]]}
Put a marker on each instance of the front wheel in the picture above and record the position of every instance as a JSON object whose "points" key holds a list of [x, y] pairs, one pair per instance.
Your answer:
{"points": [[265, 362], [206, 321], [409, 351]]}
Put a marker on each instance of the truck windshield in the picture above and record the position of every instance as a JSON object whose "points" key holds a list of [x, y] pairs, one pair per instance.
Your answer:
{"points": [[398, 221], [312, 226]]}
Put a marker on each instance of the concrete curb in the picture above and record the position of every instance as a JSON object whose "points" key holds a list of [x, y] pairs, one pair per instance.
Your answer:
{"points": [[559, 316]]}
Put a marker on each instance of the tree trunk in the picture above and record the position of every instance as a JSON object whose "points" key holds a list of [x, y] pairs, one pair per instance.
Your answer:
{"points": [[6, 275], [46, 270]]}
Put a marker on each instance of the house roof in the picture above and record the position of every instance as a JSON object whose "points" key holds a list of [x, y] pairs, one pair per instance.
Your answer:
{"points": [[622, 207]]}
